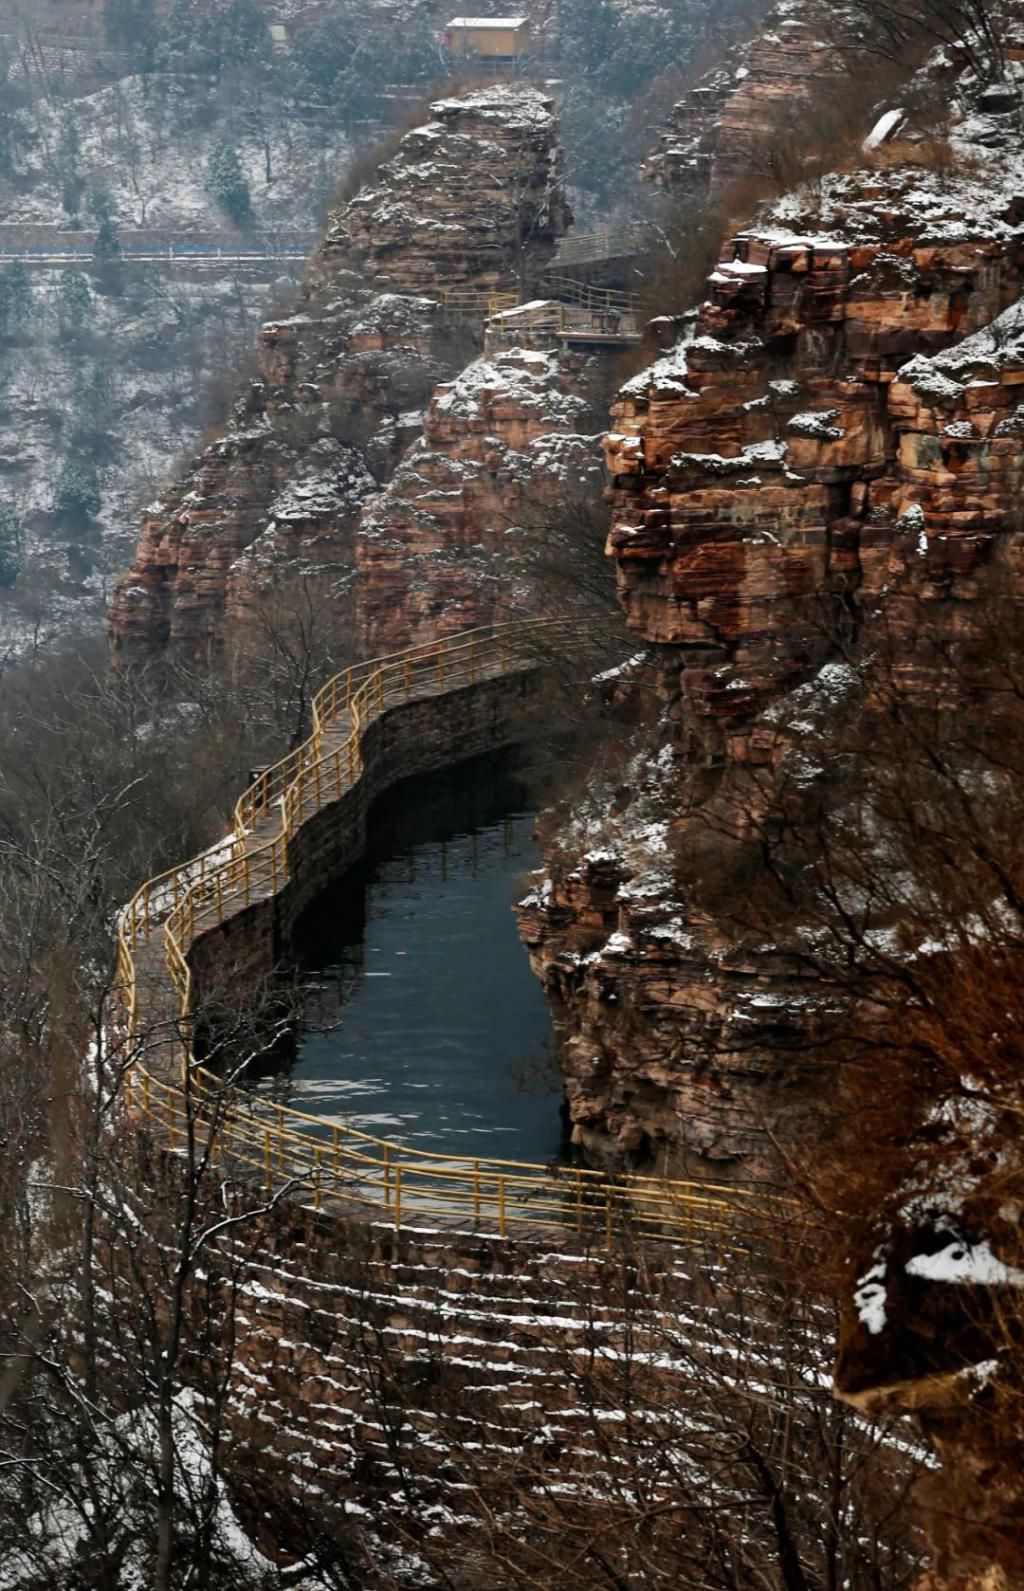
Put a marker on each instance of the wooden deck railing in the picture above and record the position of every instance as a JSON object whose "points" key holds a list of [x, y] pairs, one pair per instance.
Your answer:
{"points": [[271, 1144]]}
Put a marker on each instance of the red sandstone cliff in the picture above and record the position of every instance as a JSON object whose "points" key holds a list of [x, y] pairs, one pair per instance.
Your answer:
{"points": [[784, 467], [721, 124], [826, 468], [469, 202], [452, 540]]}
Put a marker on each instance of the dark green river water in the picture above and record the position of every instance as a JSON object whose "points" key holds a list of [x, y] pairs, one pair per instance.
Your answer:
{"points": [[424, 1022]]}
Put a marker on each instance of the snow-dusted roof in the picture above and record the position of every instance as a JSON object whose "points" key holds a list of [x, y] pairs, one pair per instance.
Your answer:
{"points": [[487, 22]]}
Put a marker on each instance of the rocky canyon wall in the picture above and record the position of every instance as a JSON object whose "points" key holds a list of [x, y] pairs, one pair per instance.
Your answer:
{"points": [[469, 202], [774, 485], [826, 469], [715, 135], [453, 539], [834, 445]]}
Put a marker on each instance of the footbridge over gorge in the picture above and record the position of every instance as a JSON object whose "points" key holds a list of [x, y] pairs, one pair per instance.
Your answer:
{"points": [[218, 923]]}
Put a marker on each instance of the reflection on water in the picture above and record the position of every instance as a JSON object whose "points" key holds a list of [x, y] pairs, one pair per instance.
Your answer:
{"points": [[424, 1022]]}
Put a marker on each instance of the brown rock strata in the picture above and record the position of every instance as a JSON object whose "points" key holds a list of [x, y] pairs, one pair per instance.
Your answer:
{"points": [[341, 382], [449, 543], [827, 466]]}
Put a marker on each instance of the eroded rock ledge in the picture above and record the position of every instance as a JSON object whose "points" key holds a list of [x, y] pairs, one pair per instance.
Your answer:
{"points": [[825, 469], [470, 201], [452, 540], [834, 445]]}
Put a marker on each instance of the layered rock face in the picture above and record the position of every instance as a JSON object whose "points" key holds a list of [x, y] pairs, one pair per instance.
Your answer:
{"points": [[713, 131], [827, 466], [342, 381], [836, 445], [452, 541], [472, 197]]}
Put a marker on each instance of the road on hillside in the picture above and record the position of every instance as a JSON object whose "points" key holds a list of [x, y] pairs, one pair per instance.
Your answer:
{"points": [[184, 249]]}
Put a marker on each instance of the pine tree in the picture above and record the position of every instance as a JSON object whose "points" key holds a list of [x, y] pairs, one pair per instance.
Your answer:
{"points": [[106, 244], [131, 25], [74, 303], [71, 193], [69, 145], [225, 182], [72, 185], [10, 545], [76, 496], [101, 205], [15, 298], [93, 396], [176, 37]]}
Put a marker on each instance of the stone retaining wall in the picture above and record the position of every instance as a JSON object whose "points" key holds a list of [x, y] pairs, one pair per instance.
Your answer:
{"points": [[417, 737]]}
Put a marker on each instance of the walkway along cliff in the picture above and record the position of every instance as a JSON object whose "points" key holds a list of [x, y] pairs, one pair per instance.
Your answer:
{"points": [[400, 1328], [221, 922], [820, 477]]}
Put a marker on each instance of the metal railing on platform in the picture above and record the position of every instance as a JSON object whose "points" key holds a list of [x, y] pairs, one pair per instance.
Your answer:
{"points": [[474, 302], [546, 322], [602, 243], [274, 1144], [606, 300], [556, 290]]}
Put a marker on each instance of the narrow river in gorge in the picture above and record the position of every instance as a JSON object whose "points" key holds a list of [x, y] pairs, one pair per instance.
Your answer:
{"points": [[423, 1022]]}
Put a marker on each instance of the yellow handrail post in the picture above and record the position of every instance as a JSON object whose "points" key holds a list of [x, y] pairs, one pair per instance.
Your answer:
{"points": [[267, 1166], [398, 1197], [476, 1190], [128, 1091], [334, 1151], [387, 1175], [220, 895], [501, 1205], [318, 1191], [579, 1201], [273, 868], [280, 1138], [608, 1216], [145, 1094]]}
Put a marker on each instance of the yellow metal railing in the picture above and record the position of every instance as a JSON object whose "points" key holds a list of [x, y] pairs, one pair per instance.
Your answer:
{"points": [[276, 1144], [560, 289], [549, 318], [602, 300], [476, 301]]}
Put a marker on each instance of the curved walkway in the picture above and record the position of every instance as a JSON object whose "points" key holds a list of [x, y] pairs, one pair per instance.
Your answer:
{"points": [[321, 1159]]}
